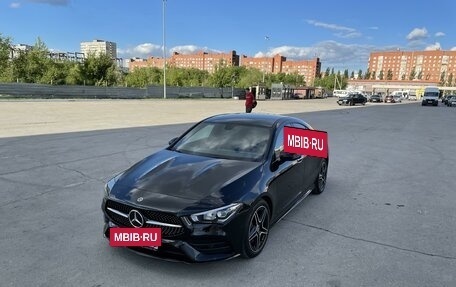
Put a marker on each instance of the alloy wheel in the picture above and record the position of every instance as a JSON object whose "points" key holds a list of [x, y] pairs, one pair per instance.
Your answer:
{"points": [[322, 176], [258, 229]]}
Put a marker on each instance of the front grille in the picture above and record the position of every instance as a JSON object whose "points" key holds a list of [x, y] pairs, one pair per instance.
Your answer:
{"points": [[163, 217]]}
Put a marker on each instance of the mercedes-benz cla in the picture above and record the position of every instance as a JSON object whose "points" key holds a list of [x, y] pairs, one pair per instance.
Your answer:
{"points": [[216, 190]]}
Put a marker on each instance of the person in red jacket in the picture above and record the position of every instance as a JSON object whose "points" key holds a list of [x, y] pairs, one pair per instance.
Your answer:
{"points": [[250, 101]]}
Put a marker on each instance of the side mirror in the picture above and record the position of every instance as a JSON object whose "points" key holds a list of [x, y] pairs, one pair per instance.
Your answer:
{"points": [[173, 141], [287, 156], [281, 156]]}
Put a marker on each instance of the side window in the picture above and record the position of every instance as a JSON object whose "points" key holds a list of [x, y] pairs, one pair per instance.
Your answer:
{"points": [[299, 126], [279, 139]]}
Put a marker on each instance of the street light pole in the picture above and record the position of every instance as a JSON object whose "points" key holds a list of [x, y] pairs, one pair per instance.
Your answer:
{"points": [[164, 52], [265, 58]]}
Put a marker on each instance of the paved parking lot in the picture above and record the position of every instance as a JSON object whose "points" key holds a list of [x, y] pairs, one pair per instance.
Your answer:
{"points": [[25, 117], [386, 218]]}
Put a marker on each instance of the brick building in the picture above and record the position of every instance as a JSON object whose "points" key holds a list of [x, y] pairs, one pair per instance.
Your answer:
{"points": [[209, 61], [279, 64], [413, 65], [201, 60]]}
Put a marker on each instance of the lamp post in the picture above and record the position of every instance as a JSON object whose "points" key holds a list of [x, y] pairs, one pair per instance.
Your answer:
{"points": [[265, 58], [164, 52]]}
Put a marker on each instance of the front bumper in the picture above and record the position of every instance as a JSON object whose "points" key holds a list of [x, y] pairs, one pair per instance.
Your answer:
{"points": [[426, 102], [202, 242]]}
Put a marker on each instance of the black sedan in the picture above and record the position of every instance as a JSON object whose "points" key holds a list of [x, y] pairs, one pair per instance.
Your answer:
{"points": [[216, 190], [352, 99], [376, 99]]}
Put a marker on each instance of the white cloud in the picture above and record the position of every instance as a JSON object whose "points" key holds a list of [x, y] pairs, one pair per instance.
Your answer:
{"points": [[189, 49], [15, 5], [453, 49], [146, 50], [417, 34], [432, 47], [342, 31], [373, 28], [439, 34], [331, 54]]}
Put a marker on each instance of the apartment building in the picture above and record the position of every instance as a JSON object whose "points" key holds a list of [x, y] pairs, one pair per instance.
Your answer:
{"points": [[309, 69], [399, 65], [19, 48], [209, 61], [201, 60], [98, 47]]}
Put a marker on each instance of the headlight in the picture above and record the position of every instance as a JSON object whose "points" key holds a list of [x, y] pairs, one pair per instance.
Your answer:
{"points": [[107, 190], [108, 186], [218, 215]]}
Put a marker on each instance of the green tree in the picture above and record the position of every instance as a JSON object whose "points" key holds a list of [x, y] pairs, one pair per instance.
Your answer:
{"points": [[450, 80], [346, 74], [412, 74], [55, 73], [420, 75], [380, 75], [360, 74], [5, 65], [367, 75], [403, 77], [327, 72], [374, 76], [222, 77], [442, 78], [389, 75], [352, 76], [98, 70]]}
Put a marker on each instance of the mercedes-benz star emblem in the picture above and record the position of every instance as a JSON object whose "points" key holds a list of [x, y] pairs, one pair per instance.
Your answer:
{"points": [[136, 219], [139, 199]]}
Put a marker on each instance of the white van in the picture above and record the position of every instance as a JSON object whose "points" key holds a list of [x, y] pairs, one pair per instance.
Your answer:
{"points": [[430, 96]]}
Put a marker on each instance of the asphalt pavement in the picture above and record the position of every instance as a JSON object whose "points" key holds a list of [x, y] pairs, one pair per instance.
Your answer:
{"points": [[386, 217]]}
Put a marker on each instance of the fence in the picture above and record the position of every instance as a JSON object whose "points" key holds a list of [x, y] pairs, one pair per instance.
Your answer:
{"points": [[24, 90]]}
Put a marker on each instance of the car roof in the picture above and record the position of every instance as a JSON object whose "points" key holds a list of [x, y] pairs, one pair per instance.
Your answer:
{"points": [[257, 119]]}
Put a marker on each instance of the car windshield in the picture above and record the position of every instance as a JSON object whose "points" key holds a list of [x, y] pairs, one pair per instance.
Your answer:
{"points": [[226, 140], [431, 94]]}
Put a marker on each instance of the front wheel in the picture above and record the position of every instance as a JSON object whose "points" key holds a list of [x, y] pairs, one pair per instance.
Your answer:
{"points": [[257, 231], [320, 181]]}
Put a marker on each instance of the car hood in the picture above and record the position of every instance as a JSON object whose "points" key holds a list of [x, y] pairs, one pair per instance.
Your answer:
{"points": [[174, 182]]}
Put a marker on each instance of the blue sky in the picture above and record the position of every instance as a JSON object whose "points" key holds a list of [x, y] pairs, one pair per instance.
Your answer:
{"points": [[342, 33]]}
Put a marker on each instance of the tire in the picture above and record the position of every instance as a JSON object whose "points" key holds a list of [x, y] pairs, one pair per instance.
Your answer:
{"points": [[257, 231], [320, 181]]}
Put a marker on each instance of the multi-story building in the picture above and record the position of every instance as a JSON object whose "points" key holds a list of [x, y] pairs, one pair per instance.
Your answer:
{"points": [[201, 60], [265, 64], [209, 61], [97, 47], [309, 69], [19, 48], [398, 65]]}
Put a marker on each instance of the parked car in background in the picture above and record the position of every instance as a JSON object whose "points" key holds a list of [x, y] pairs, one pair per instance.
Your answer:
{"points": [[389, 99], [451, 101], [397, 98], [447, 98], [352, 99], [431, 96], [376, 99]]}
